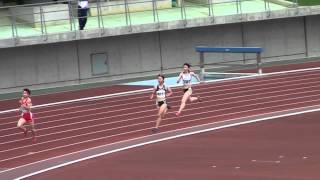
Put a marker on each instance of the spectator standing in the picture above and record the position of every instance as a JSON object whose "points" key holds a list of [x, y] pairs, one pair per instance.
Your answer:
{"points": [[83, 7]]}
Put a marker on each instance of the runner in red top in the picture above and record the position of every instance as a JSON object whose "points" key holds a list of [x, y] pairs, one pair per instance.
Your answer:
{"points": [[26, 115]]}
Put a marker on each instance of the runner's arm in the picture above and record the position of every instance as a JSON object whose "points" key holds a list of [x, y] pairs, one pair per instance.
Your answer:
{"points": [[196, 76], [179, 78], [153, 92], [169, 92]]}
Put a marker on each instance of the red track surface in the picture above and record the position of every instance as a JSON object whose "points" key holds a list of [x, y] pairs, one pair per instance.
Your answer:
{"points": [[70, 95], [262, 151], [76, 126], [290, 67]]}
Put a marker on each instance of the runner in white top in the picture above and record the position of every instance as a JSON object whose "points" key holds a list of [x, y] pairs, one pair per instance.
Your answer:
{"points": [[161, 92], [186, 77]]}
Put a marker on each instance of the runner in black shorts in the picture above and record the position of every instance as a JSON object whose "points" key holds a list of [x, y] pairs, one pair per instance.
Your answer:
{"points": [[161, 92], [186, 77]]}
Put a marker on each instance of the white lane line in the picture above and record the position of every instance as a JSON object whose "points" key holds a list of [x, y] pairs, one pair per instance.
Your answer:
{"points": [[215, 105], [265, 161], [122, 141], [92, 109], [133, 119], [4, 169], [126, 120], [83, 99], [230, 73], [148, 122], [164, 139], [198, 89], [149, 89], [145, 107], [238, 91]]}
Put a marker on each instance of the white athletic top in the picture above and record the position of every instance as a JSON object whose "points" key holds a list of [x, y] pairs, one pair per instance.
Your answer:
{"points": [[83, 4], [186, 79], [161, 92]]}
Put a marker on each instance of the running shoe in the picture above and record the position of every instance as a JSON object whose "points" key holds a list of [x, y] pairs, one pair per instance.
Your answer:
{"points": [[199, 99], [155, 130], [34, 140], [25, 133]]}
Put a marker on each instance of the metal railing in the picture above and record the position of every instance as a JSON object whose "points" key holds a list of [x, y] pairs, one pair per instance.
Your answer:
{"points": [[55, 17]]}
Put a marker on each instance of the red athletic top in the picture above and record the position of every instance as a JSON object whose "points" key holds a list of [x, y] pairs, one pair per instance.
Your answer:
{"points": [[26, 115], [24, 102]]}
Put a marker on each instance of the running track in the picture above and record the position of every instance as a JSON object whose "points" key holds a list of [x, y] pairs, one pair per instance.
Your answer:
{"points": [[269, 150], [81, 125]]}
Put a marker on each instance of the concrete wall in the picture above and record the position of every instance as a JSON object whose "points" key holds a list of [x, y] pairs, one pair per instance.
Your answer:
{"points": [[116, 7], [24, 66], [54, 14], [36, 1], [313, 35], [148, 53], [24, 14], [178, 46], [126, 54], [283, 3], [280, 38]]}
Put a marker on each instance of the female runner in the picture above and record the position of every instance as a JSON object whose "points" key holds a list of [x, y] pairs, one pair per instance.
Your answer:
{"points": [[186, 77], [26, 115], [161, 92]]}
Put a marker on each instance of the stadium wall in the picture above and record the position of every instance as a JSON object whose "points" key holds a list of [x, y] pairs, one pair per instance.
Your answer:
{"points": [[143, 54]]}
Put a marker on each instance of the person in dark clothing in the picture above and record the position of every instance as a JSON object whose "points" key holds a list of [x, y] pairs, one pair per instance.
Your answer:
{"points": [[82, 13]]}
